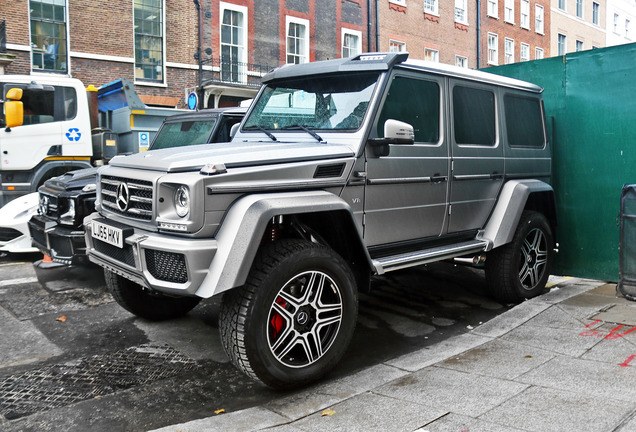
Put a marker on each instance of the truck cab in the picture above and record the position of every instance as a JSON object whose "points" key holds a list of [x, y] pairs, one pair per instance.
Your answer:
{"points": [[55, 136]]}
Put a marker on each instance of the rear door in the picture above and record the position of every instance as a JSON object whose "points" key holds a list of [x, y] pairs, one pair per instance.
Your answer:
{"points": [[477, 155]]}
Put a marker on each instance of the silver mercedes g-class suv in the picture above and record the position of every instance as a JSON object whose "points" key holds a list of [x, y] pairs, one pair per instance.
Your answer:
{"points": [[341, 170]]}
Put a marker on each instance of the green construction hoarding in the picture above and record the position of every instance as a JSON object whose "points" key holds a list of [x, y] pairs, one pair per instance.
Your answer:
{"points": [[590, 104]]}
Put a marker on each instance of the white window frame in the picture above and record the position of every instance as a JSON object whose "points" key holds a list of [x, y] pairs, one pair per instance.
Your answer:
{"points": [[300, 21], [67, 30], [524, 48], [596, 9], [538, 53], [524, 19], [434, 10], [431, 54], [243, 52], [350, 32], [565, 5], [576, 8], [539, 19], [461, 61], [509, 55], [400, 44], [627, 28], [565, 44], [493, 49], [398, 2], [579, 44], [616, 23], [461, 5], [164, 80], [493, 8], [509, 11]]}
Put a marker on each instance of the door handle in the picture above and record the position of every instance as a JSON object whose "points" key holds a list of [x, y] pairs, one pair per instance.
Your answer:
{"points": [[436, 178], [496, 176]]}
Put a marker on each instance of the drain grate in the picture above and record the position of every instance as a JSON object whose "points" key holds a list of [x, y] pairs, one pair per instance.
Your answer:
{"points": [[60, 385]]}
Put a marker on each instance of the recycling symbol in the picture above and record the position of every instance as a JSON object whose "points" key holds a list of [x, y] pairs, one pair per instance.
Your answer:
{"points": [[73, 134]]}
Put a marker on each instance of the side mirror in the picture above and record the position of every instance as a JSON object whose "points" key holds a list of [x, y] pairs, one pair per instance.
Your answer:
{"points": [[395, 132], [398, 132], [234, 129], [14, 108]]}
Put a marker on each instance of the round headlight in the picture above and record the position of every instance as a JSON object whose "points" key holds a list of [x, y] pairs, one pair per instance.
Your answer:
{"points": [[182, 201]]}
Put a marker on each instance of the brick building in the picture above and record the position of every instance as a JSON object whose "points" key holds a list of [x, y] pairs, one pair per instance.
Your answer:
{"points": [[154, 42], [514, 30], [437, 30]]}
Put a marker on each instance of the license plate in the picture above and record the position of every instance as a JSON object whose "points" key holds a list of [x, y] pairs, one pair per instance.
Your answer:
{"points": [[108, 234]]}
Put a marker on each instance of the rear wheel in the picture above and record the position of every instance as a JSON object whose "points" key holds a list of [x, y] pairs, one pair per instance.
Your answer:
{"points": [[144, 303], [520, 269], [293, 319]]}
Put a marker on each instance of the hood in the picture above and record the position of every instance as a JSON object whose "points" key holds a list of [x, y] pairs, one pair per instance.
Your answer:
{"points": [[233, 155], [71, 181]]}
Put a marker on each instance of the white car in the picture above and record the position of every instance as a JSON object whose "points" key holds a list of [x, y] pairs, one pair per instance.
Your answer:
{"points": [[14, 228]]}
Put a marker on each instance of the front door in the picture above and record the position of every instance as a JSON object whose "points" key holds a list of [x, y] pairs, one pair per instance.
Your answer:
{"points": [[406, 192]]}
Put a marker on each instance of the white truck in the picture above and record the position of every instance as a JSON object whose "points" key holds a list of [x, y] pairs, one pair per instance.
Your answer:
{"points": [[57, 133]]}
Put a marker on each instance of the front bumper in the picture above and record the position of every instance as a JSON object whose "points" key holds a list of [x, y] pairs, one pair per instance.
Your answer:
{"points": [[161, 262], [63, 244]]}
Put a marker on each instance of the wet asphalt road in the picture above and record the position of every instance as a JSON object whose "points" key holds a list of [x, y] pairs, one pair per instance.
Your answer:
{"points": [[71, 359]]}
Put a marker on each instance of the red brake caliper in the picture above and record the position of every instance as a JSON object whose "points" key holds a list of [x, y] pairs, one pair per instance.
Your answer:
{"points": [[277, 322]]}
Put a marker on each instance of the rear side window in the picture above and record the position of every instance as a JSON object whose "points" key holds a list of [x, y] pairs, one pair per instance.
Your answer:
{"points": [[524, 123], [474, 116], [415, 102]]}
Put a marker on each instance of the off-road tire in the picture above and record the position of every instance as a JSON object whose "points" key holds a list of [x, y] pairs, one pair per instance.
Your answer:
{"points": [[143, 303], [245, 319], [520, 269]]}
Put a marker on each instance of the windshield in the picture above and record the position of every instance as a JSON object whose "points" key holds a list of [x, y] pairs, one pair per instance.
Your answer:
{"points": [[330, 102], [185, 133]]}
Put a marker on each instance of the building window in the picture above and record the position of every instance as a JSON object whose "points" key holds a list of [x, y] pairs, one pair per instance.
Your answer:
{"points": [[395, 46], [493, 49], [525, 14], [297, 40], [398, 2], [595, 7], [509, 51], [627, 23], [493, 8], [538, 53], [579, 45], [561, 44], [562, 4], [524, 52], [431, 55], [48, 35], [351, 43], [509, 11], [538, 19], [461, 61], [233, 38], [579, 8], [615, 23], [461, 11], [149, 31], [431, 7]]}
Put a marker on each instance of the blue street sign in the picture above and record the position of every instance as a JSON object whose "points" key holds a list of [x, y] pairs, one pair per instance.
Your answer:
{"points": [[193, 101]]}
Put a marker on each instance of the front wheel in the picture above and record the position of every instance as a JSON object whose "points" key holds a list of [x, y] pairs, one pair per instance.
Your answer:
{"points": [[520, 269], [143, 303], [293, 319]]}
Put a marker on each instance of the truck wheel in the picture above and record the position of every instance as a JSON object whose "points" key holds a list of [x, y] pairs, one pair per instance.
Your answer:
{"points": [[293, 319], [147, 304], [520, 269]]}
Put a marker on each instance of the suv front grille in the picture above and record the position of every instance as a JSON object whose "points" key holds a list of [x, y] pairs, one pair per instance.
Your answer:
{"points": [[48, 205], [167, 266], [139, 201], [124, 255]]}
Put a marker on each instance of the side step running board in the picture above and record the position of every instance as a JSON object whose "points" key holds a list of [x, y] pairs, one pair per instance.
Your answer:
{"points": [[396, 262]]}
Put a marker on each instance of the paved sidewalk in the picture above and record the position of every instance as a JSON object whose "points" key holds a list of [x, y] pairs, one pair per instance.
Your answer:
{"points": [[565, 361]]}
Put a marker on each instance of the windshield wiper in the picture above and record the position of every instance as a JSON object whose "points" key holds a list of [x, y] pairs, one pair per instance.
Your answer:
{"points": [[304, 128], [262, 129]]}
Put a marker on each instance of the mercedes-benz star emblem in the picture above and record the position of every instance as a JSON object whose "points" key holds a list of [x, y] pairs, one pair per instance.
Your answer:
{"points": [[123, 196]]}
